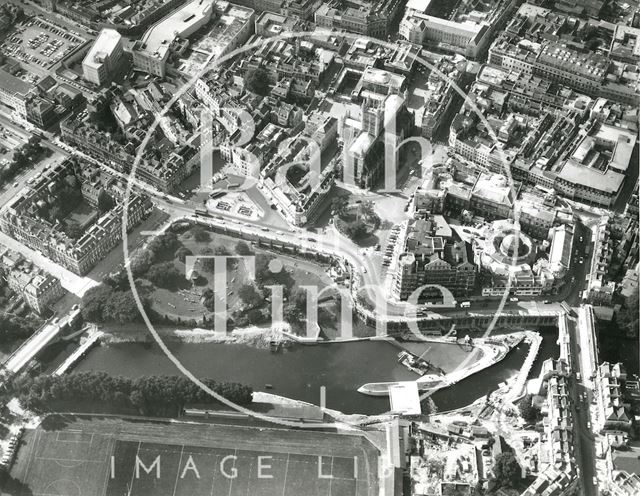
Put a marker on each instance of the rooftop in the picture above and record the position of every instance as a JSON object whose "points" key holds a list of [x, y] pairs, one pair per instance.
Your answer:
{"points": [[158, 38], [103, 46], [608, 182], [12, 84]]}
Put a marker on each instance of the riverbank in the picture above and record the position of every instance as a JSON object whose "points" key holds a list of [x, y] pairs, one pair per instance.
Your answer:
{"points": [[258, 337], [491, 352]]}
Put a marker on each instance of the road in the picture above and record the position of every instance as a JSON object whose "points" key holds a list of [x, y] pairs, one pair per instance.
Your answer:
{"points": [[584, 439]]}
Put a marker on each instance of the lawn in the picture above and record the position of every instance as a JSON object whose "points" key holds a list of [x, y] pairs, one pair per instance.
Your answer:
{"points": [[185, 300]]}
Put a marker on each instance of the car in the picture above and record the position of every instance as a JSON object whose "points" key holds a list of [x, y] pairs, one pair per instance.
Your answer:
{"points": [[513, 299], [75, 307], [578, 376], [595, 480], [15, 185], [55, 320]]}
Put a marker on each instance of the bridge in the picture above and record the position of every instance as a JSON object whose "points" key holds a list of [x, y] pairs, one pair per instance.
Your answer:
{"points": [[36, 343]]}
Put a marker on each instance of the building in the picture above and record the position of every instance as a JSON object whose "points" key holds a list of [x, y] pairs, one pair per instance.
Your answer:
{"points": [[14, 92], [599, 289], [593, 74], [613, 415], [561, 250], [595, 172], [439, 94], [428, 257], [163, 166], [22, 218], [468, 30], [270, 24], [151, 52], [38, 288], [506, 254], [372, 138], [104, 58], [370, 17]]}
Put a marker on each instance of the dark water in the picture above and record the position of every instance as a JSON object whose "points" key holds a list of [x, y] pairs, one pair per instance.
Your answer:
{"points": [[297, 372], [300, 371], [482, 383]]}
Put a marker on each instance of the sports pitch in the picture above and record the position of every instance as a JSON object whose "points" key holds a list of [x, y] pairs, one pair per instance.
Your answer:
{"points": [[89, 458]]}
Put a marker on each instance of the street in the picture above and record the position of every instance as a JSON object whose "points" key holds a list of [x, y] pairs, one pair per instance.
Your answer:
{"points": [[583, 437]]}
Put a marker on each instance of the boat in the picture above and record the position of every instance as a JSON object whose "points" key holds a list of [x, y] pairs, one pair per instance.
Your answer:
{"points": [[268, 386]]}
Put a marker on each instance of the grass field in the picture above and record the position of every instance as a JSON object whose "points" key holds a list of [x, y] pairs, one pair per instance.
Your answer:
{"points": [[109, 456]]}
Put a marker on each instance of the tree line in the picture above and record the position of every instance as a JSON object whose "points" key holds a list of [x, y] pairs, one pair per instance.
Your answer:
{"points": [[150, 395], [14, 327], [22, 157]]}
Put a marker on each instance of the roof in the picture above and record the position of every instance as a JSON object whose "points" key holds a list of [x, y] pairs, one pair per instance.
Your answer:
{"points": [[561, 245], [13, 85], [361, 144], [608, 182], [494, 188], [179, 23], [104, 45], [404, 398], [418, 5], [624, 141]]}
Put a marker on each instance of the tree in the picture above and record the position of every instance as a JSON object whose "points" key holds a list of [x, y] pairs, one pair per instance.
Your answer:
{"points": [[295, 310], [207, 262], [165, 242], [93, 302], [257, 81], [56, 213], [339, 204], [250, 296], [506, 470], [367, 209], [164, 275], [121, 308], [200, 234], [140, 262], [182, 253], [157, 395], [243, 249], [105, 201], [527, 411], [13, 327]]}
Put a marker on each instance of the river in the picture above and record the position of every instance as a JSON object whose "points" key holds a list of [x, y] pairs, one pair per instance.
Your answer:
{"points": [[300, 371]]}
